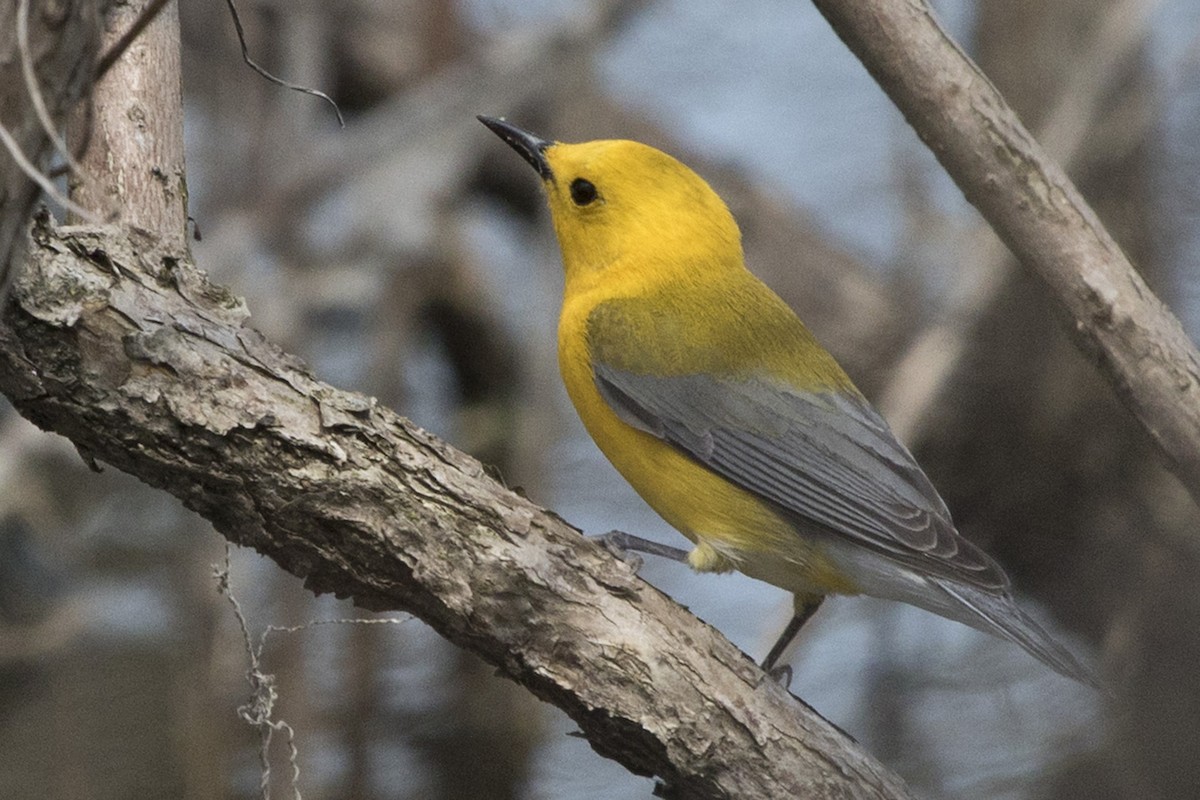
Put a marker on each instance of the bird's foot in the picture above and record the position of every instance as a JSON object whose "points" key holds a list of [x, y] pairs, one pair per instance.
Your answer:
{"points": [[626, 546], [781, 675], [612, 542]]}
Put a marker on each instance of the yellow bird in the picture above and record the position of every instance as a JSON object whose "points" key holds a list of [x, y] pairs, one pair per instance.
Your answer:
{"points": [[714, 401]]}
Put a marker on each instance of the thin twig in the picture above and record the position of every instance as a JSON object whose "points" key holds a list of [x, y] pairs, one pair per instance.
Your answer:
{"points": [[312, 623], [258, 711], [35, 175], [47, 123], [105, 62], [241, 34], [35, 92]]}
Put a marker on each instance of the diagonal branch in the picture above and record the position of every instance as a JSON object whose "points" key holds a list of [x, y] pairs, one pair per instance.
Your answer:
{"points": [[931, 359], [126, 350], [1038, 213]]}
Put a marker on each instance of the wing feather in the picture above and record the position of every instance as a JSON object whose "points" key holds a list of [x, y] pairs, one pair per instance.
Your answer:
{"points": [[828, 459]]}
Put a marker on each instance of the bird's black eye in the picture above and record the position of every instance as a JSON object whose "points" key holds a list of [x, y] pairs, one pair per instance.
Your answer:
{"points": [[583, 191]]}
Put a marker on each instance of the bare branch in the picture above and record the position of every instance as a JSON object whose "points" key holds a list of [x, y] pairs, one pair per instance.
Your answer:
{"points": [[125, 349], [140, 175], [241, 35], [1038, 213], [31, 83], [40, 178], [928, 363]]}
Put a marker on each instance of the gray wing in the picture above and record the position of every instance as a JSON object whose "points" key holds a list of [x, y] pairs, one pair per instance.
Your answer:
{"points": [[829, 459]]}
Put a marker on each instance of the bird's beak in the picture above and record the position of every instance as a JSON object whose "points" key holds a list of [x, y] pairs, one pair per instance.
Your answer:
{"points": [[531, 148]]}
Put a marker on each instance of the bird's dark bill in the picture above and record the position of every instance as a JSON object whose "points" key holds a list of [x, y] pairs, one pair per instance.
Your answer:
{"points": [[532, 148]]}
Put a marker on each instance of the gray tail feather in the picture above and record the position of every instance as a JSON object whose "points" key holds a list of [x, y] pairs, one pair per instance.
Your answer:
{"points": [[999, 615]]}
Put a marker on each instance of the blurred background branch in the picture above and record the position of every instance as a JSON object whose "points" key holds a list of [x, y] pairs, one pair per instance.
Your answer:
{"points": [[59, 44], [1038, 213]]}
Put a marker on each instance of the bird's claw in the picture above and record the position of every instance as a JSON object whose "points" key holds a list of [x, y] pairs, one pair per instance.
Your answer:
{"points": [[615, 543], [781, 675]]}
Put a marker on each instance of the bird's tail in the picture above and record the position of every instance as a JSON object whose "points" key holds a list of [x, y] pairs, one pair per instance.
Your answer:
{"points": [[1000, 615]]}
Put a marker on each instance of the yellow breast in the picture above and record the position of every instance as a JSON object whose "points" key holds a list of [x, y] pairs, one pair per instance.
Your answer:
{"points": [[733, 528]]}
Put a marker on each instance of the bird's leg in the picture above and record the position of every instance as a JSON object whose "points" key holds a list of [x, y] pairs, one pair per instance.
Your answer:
{"points": [[621, 543], [805, 606]]}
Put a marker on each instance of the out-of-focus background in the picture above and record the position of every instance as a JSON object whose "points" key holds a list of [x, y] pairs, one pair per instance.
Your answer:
{"points": [[409, 256]]}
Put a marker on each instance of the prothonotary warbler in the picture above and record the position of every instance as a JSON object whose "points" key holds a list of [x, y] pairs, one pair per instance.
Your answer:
{"points": [[714, 401]]}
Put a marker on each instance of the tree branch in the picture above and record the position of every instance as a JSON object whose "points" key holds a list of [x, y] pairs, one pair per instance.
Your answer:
{"points": [[930, 361], [1038, 213], [134, 157], [124, 348]]}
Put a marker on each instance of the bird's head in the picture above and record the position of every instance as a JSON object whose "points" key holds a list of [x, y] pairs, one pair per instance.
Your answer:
{"points": [[622, 205]]}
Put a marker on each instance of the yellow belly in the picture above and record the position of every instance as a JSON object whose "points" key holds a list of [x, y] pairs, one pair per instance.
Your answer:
{"points": [[732, 527]]}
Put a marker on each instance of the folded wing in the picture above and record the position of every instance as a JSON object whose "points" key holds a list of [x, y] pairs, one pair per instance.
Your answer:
{"points": [[827, 458]]}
